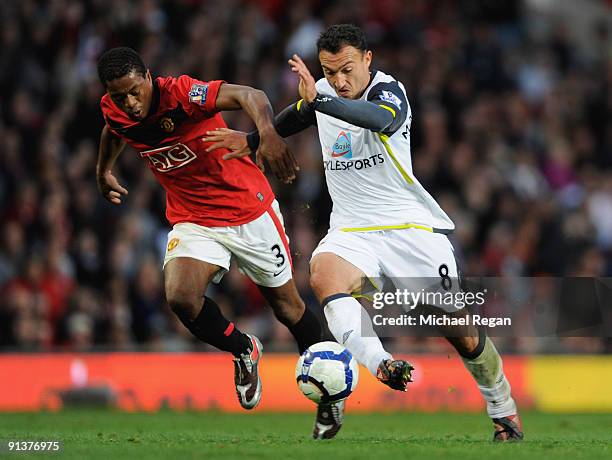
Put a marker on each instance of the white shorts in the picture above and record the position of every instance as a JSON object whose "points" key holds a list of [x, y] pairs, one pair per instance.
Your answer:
{"points": [[412, 258], [260, 247]]}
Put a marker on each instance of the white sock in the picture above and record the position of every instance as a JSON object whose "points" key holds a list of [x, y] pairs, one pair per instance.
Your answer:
{"points": [[487, 369], [344, 318]]}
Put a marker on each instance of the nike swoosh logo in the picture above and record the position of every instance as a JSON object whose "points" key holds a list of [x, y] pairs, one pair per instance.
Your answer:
{"points": [[276, 274], [346, 336]]}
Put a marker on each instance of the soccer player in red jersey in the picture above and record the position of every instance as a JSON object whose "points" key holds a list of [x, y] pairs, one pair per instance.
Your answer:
{"points": [[217, 208]]}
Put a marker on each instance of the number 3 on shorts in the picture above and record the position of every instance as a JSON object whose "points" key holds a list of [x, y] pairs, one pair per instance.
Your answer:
{"points": [[278, 254]]}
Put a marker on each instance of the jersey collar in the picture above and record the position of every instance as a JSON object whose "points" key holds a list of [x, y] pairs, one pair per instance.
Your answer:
{"points": [[373, 73]]}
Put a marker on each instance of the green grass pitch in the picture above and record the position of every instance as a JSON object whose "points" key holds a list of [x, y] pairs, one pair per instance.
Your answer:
{"points": [[209, 435]]}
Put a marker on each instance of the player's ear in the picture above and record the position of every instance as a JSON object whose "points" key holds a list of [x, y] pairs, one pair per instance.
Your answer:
{"points": [[148, 76], [367, 55]]}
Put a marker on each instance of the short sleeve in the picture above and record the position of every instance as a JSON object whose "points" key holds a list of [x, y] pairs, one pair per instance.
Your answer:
{"points": [[197, 96]]}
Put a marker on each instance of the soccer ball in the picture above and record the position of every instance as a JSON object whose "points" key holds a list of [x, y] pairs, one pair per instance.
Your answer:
{"points": [[327, 372]]}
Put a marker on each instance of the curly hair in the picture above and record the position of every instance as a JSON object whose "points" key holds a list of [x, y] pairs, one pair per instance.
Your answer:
{"points": [[118, 62]]}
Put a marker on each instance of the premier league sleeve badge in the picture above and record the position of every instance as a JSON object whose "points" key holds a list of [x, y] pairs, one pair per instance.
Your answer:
{"points": [[197, 93]]}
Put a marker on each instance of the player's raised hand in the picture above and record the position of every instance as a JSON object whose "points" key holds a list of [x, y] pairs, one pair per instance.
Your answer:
{"points": [[110, 188], [307, 88], [274, 150], [224, 138]]}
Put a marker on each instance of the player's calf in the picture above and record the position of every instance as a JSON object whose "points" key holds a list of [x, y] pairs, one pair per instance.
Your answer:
{"points": [[210, 326], [185, 281], [485, 365], [289, 309]]}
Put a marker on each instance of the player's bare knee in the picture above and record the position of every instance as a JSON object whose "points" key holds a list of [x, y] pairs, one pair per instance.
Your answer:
{"points": [[183, 301], [323, 285], [318, 284]]}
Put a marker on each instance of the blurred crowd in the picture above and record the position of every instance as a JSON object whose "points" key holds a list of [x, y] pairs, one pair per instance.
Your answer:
{"points": [[511, 133]]}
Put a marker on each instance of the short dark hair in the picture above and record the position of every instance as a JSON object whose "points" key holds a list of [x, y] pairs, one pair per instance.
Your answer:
{"points": [[340, 35], [118, 62]]}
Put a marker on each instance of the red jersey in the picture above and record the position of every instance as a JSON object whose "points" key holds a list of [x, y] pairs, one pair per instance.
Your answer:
{"points": [[200, 186]]}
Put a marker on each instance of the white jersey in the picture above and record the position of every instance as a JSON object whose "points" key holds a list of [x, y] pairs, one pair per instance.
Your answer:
{"points": [[369, 175]]}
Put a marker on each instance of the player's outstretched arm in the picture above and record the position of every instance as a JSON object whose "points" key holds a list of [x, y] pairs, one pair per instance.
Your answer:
{"points": [[291, 120], [272, 148], [110, 148], [360, 113]]}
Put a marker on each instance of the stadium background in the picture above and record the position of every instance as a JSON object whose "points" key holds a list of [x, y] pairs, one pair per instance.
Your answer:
{"points": [[510, 132]]}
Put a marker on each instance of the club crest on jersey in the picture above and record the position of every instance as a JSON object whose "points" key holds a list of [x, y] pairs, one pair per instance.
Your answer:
{"points": [[342, 147], [166, 124], [197, 93], [390, 97]]}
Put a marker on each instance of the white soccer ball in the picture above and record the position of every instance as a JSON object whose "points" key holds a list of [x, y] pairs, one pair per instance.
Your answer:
{"points": [[327, 371]]}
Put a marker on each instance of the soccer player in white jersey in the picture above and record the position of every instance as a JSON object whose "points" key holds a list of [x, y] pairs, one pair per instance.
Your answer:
{"points": [[383, 222]]}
